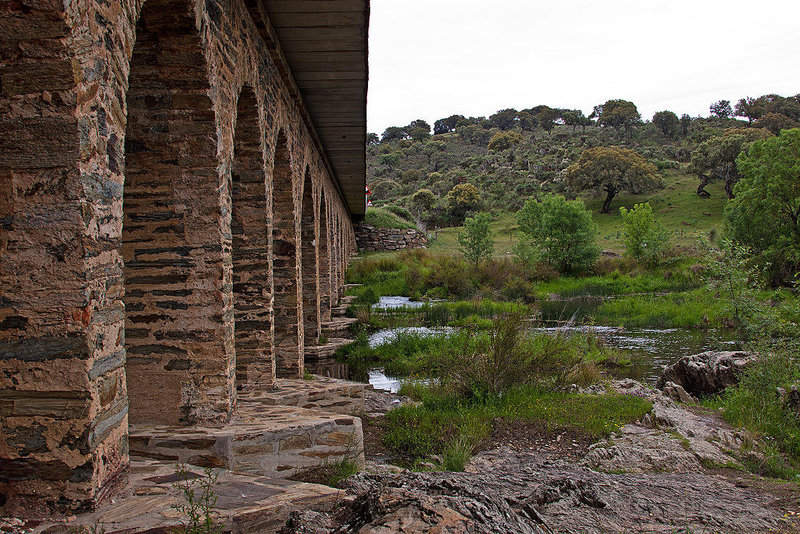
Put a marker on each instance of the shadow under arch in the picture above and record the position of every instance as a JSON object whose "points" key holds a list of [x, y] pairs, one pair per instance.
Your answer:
{"points": [[324, 260], [286, 267], [250, 250], [177, 335], [309, 265]]}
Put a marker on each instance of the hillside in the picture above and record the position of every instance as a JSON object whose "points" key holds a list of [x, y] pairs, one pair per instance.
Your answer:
{"points": [[535, 165]]}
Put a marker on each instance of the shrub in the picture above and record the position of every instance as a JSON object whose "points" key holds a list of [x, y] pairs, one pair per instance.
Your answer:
{"points": [[753, 404], [504, 140], [423, 200], [476, 241], [400, 212], [559, 232], [463, 199], [645, 238]]}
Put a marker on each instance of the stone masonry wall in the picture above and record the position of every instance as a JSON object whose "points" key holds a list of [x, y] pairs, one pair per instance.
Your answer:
{"points": [[126, 183], [370, 239]]}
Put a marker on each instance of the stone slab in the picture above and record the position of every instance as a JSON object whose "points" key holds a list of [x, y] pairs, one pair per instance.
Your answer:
{"points": [[245, 503], [315, 353], [262, 439], [338, 326], [321, 393]]}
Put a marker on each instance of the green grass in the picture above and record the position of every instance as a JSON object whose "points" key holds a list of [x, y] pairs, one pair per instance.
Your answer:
{"points": [[549, 356], [504, 228], [381, 218], [754, 406], [449, 425], [692, 309], [616, 283], [698, 308], [684, 214]]}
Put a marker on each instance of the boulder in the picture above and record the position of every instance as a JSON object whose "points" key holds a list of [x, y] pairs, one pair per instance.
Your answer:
{"points": [[677, 393], [708, 372]]}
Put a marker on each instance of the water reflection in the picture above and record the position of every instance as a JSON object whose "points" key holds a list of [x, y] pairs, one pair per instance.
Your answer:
{"points": [[379, 380], [654, 348]]}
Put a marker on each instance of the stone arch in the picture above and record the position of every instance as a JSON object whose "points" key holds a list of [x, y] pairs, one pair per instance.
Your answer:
{"points": [[177, 331], [286, 273], [250, 250], [309, 263], [324, 259]]}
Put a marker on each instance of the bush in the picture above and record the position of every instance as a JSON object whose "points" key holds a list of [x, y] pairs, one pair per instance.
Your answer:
{"points": [[559, 232], [645, 238], [753, 404], [476, 241], [400, 212], [504, 140], [462, 200]]}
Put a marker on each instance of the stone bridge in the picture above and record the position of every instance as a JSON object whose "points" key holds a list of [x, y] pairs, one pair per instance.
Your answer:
{"points": [[178, 181]]}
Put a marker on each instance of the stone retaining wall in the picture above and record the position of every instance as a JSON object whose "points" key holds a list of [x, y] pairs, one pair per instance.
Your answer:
{"points": [[370, 239]]}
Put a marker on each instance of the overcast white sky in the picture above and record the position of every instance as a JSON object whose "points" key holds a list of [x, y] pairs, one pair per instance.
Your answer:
{"points": [[434, 58]]}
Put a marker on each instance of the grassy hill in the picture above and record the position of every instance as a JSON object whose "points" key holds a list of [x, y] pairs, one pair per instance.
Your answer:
{"points": [[505, 179]]}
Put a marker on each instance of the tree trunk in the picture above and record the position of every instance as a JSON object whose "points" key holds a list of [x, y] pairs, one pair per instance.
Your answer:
{"points": [[701, 189], [729, 188], [610, 194]]}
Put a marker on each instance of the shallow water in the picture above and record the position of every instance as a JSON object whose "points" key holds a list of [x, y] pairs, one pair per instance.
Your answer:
{"points": [[654, 348], [391, 303], [385, 336], [379, 380]]}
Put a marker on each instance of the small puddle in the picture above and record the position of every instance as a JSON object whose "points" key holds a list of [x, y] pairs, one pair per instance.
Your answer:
{"points": [[392, 303]]}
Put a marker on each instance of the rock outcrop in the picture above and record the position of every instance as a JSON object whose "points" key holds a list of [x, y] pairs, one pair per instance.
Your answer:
{"points": [[708, 372], [512, 492]]}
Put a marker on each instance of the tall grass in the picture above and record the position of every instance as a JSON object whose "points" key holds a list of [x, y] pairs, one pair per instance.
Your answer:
{"points": [[473, 361], [754, 405], [700, 308], [692, 309]]}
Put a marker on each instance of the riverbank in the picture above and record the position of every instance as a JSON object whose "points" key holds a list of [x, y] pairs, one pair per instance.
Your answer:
{"points": [[670, 471]]}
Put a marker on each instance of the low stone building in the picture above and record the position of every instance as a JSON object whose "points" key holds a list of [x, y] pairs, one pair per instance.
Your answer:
{"points": [[178, 181]]}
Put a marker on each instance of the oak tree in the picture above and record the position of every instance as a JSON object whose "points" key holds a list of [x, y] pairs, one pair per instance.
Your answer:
{"points": [[611, 170]]}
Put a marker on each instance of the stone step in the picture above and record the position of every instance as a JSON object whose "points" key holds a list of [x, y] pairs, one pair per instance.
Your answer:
{"points": [[347, 300], [245, 503], [338, 327], [320, 393], [338, 312], [348, 287], [326, 351], [261, 439]]}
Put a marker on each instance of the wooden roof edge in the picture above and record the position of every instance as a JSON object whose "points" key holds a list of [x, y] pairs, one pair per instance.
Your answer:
{"points": [[283, 66]]}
